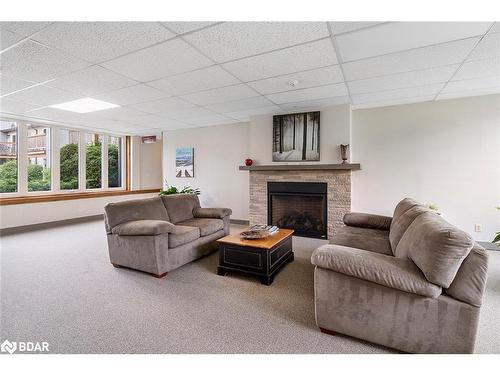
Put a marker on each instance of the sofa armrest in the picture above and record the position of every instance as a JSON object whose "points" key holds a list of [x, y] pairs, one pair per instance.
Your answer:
{"points": [[211, 213], [380, 269], [362, 220], [143, 228]]}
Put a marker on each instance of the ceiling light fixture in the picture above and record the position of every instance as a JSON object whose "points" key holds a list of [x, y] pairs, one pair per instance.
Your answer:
{"points": [[84, 105]]}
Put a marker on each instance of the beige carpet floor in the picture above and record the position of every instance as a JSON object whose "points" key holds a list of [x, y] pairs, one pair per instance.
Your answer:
{"points": [[57, 286]]}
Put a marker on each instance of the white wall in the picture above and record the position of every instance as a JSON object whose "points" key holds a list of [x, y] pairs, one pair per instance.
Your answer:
{"points": [[218, 151], [445, 152], [146, 166]]}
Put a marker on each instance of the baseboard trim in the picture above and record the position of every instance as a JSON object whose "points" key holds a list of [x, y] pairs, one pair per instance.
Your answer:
{"points": [[50, 224], [240, 222]]}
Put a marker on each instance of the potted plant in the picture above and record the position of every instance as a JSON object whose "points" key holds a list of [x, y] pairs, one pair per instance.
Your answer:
{"points": [[174, 190]]}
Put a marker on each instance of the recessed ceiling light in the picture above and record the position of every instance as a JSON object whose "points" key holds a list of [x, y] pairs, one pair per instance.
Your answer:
{"points": [[85, 105]]}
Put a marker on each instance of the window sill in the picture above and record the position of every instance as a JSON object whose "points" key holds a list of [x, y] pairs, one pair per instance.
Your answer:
{"points": [[70, 196]]}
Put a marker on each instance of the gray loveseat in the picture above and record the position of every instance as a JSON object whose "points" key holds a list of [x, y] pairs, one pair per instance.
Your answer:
{"points": [[412, 282], [157, 235]]}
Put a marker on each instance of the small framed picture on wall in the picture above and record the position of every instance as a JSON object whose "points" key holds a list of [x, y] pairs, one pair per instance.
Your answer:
{"points": [[184, 162]]}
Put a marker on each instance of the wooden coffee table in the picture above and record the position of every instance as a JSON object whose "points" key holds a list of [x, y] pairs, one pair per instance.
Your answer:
{"points": [[262, 258]]}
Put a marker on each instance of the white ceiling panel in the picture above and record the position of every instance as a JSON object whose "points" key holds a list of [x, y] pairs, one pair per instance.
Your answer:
{"points": [[91, 81], [422, 58], [100, 41], [12, 106], [33, 62], [495, 28], [487, 48], [391, 102], [385, 96], [246, 114], [24, 28], [310, 78], [132, 95], [166, 59], [188, 113], [185, 27], [402, 80], [312, 93], [129, 115], [400, 36], [234, 40], [315, 104], [469, 93], [163, 106], [8, 84], [472, 84], [294, 59], [479, 69], [240, 105], [199, 80], [210, 120], [344, 27], [64, 117], [8, 38], [220, 95], [44, 95]]}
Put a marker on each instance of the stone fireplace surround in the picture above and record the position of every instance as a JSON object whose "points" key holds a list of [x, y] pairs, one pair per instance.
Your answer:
{"points": [[338, 190]]}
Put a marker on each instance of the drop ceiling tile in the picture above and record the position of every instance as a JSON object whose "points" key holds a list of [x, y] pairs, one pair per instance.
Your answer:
{"points": [[199, 80], [163, 106], [479, 69], [469, 93], [472, 84], [240, 105], [402, 80], [132, 95], [100, 41], [246, 114], [8, 38], [313, 93], [63, 117], [129, 115], [299, 58], [24, 28], [234, 40], [344, 27], [392, 102], [495, 28], [488, 47], [91, 81], [188, 113], [185, 27], [315, 104], [399, 94], [422, 58], [165, 59], [310, 78], [8, 84], [210, 120], [44, 96], [12, 106], [220, 95], [400, 36], [34, 62]]}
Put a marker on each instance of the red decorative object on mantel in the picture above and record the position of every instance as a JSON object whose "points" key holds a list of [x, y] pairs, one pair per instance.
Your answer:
{"points": [[248, 162]]}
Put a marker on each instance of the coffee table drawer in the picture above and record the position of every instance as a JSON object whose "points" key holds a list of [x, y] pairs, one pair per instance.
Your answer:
{"points": [[234, 256]]}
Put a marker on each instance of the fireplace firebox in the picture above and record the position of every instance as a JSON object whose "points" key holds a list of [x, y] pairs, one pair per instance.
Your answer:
{"points": [[301, 206]]}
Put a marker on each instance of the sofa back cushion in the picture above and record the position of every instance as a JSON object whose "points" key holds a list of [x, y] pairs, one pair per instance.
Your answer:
{"points": [[470, 281], [135, 209], [180, 206], [405, 212], [436, 247]]}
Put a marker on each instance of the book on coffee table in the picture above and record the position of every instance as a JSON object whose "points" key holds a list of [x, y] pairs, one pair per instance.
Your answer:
{"points": [[271, 229]]}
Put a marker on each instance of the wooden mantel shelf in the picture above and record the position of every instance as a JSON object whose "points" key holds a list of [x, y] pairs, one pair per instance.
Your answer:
{"points": [[301, 167]]}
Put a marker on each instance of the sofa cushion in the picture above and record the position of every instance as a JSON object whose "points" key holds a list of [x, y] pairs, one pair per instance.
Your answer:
{"points": [[437, 247], [143, 228], [182, 235], [135, 209], [206, 226], [380, 269], [213, 213], [362, 220], [470, 281], [180, 206], [363, 238], [405, 212]]}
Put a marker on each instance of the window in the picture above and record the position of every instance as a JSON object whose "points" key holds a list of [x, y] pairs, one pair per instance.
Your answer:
{"points": [[69, 155], [93, 148], [39, 157], [8, 157], [114, 162]]}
